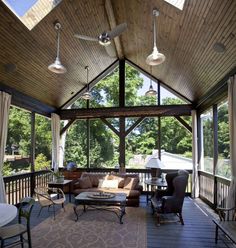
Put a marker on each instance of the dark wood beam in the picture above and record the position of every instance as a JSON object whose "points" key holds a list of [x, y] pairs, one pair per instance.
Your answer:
{"points": [[113, 24], [110, 126], [184, 123], [131, 128], [91, 84], [27, 102], [70, 122], [141, 111]]}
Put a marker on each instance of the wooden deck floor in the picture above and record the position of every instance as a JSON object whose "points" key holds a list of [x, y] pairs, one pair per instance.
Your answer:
{"points": [[198, 230]]}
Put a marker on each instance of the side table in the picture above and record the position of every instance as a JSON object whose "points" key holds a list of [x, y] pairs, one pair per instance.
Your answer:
{"points": [[154, 183], [55, 184]]}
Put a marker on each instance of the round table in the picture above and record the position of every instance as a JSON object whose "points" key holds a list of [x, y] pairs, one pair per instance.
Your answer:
{"points": [[154, 183], [7, 213]]}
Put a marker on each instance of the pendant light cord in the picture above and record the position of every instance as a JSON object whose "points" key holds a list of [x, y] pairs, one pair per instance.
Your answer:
{"points": [[154, 32], [58, 42]]}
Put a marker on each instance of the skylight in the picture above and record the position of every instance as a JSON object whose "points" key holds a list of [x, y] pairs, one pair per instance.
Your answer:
{"points": [[177, 3], [31, 12]]}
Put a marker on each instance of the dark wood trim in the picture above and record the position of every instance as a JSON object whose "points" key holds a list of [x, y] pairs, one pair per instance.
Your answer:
{"points": [[27, 102], [139, 111], [184, 123], [131, 128], [91, 84], [157, 80], [70, 122], [110, 126]]}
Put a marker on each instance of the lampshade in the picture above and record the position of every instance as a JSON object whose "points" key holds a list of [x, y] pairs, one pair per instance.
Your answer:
{"points": [[87, 95], [155, 58], [151, 91], [57, 67], [153, 163]]}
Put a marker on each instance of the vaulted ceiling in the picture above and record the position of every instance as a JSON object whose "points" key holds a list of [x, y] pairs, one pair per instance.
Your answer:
{"points": [[186, 37]]}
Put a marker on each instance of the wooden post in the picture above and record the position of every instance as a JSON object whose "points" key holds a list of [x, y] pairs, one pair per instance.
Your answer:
{"points": [[215, 150], [32, 154], [88, 138], [122, 141], [122, 119]]}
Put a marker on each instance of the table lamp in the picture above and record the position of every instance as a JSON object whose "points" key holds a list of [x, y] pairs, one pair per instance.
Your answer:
{"points": [[155, 165]]}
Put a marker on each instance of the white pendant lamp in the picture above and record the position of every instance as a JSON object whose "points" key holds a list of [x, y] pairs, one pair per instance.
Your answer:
{"points": [[87, 95], [57, 67], [155, 58]]}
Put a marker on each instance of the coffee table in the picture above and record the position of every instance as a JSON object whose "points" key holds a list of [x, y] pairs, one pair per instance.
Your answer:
{"points": [[115, 204]]}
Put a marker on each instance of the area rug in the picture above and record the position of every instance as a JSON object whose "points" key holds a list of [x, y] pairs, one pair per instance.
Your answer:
{"points": [[97, 229]]}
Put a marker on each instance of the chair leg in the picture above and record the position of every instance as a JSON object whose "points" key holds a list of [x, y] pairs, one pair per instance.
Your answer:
{"points": [[63, 206], [216, 234], [21, 241], [2, 243], [153, 210], [29, 239], [181, 218], [54, 211], [158, 219]]}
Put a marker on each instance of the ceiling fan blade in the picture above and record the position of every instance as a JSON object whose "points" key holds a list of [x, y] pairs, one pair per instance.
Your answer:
{"points": [[117, 30], [111, 50], [84, 37]]}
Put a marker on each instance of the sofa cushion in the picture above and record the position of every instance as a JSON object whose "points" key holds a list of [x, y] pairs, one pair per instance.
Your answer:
{"points": [[94, 178], [84, 183], [130, 182], [111, 184]]}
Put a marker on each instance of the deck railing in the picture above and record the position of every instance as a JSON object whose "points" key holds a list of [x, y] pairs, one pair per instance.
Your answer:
{"points": [[213, 189], [22, 185]]}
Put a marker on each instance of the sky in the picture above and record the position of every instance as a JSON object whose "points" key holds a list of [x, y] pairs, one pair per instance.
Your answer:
{"points": [[20, 7]]}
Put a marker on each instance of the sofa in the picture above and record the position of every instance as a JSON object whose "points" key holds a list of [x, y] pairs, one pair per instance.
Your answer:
{"points": [[113, 183]]}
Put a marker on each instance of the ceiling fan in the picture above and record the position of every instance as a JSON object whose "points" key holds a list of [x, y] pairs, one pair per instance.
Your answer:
{"points": [[105, 38]]}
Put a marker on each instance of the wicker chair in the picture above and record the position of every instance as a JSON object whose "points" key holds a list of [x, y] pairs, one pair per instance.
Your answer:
{"points": [[17, 230], [48, 197]]}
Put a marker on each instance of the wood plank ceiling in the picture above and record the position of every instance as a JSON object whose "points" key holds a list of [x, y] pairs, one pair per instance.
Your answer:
{"points": [[192, 67]]}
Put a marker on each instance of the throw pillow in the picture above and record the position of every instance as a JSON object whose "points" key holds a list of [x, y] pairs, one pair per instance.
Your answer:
{"points": [[130, 182], [121, 181], [112, 184], [84, 183]]}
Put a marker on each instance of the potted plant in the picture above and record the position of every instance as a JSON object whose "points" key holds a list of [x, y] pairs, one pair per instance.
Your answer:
{"points": [[58, 176]]}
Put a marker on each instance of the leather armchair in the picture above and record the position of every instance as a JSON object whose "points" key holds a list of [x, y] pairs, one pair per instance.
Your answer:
{"points": [[172, 203]]}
